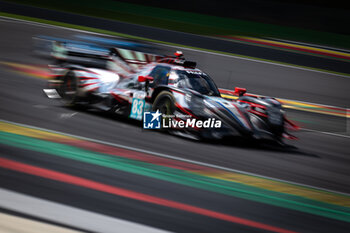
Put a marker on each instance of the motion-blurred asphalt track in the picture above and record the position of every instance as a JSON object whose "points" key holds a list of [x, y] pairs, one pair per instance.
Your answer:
{"points": [[317, 159]]}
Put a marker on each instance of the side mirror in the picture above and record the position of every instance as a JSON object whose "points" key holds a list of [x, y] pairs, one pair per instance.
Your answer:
{"points": [[145, 78], [240, 91]]}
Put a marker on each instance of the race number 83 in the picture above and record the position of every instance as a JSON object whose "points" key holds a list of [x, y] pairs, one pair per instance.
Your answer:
{"points": [[137, 108]]}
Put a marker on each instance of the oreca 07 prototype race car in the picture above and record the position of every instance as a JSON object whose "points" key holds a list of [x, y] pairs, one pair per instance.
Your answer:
{"points": [[173, 87]]}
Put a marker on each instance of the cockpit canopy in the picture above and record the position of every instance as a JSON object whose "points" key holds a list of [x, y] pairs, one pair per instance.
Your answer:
{"points": [[195, 80]]}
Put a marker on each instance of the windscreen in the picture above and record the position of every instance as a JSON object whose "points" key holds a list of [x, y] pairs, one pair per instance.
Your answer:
{"points": [[198, 81]]}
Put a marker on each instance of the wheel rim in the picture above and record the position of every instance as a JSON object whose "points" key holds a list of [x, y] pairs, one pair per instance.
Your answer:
{"points": [[164, 106]]}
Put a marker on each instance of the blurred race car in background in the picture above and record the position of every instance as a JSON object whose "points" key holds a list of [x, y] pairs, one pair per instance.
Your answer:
{"points": [[132, 80]]}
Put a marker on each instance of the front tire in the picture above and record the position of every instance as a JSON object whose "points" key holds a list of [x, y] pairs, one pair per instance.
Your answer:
{"points": [[165, 103]]}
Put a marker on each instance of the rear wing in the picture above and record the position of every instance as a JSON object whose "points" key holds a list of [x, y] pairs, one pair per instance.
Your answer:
{"points": [[95, 51], [135, 59]]}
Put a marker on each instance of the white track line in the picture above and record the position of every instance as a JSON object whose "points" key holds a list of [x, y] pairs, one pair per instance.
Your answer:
{"points": [[11, 224], [170, 157], [310, 45], [327, 133], [9, 19], [259, 61], [71, 216], [179, 47]]}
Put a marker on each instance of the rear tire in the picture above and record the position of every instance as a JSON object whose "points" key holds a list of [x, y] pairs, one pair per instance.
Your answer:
{"points": [[69, 89]]}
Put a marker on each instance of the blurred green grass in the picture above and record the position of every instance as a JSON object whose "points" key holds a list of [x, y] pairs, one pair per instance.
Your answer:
{"points": [[189, 22]]}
